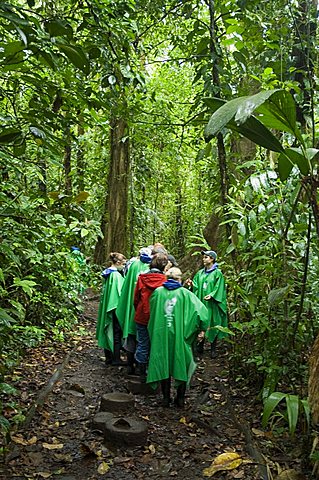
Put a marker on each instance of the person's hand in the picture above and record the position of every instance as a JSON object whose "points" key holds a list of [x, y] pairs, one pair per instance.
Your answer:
{"points": [[208, 297], [188, 283]]}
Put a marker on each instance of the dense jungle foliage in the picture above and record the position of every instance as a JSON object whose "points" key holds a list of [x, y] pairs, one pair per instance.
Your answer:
{"points": [[104, 106]]}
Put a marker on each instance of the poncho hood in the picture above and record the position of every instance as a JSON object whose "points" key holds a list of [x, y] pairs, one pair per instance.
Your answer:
{"points": [[152, 280]]}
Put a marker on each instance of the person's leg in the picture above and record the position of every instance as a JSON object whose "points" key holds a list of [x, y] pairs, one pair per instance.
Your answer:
{"points": [[117, 336], [130, 346], [213, 353], [180, 397], [142, 350], [108, 356], [166, 391]]}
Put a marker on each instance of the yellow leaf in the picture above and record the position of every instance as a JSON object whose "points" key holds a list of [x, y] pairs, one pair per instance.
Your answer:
{"points": [[151, 449], [19, 439], [32, 440], [52, 446], [183, 420], [44, 474], [146, 417], [103, 468], [225, 461]]}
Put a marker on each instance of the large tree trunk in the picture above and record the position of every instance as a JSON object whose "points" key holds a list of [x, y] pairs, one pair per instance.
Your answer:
{"points": [[211, 229], [114, 220]]}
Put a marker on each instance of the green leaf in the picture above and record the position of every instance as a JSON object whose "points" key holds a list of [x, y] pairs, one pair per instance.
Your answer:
{"points": [[5, 318], [252, 129], [284, 167], [279, 112], [76, 55], [10, 135], [12, 48], [297, 158], [292, 402], [58, 28], [26, 285], [306, 408], [6, 388], [224, 330], [37, 132], [81, 197], [270, 404], [277, 295]]}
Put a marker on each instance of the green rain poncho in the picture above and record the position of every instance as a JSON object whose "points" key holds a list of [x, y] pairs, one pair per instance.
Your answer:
{"points": [[125, 310], [213, 284], [111, 291], [176, 318]]}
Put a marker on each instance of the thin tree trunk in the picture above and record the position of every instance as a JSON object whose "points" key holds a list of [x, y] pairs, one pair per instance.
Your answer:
{"points": [[80, 155], [67, 162]]}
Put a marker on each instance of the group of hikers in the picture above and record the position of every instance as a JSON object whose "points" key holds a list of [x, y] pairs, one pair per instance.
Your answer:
{"points": [[160, 322]]}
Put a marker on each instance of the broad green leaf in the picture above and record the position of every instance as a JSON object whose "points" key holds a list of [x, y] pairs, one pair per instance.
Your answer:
{"points": [[84, 232], [248, 105], [10, 135], [306, 408], [58, 28], [12, 48], [279, 112], [81, 197], [292, 402], [284, 167], [252, 129], [270, 404], [76, 55], [37, 132], [297, 158], [225, 113], [22, 35], [312, 154]]}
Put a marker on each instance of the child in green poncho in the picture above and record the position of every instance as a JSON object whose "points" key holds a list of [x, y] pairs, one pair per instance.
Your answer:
{"points": [[177, 316], [108, 330]]}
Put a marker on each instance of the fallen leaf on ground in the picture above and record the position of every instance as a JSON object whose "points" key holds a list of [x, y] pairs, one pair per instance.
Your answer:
{"points": [[152, 449], [224, 461], [52, 446], [103, 468], [43, 474], [290, 475]]}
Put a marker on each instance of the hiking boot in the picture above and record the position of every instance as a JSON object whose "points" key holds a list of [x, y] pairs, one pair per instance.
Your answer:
{"points": [[166, 391], [179, 400]]}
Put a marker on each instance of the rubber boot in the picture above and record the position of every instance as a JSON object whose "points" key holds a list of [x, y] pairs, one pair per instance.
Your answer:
{"points": [[116, 357], [180, 397], [166, 391], [213, 353], [108, 356], [141, 371], [130, 363]]}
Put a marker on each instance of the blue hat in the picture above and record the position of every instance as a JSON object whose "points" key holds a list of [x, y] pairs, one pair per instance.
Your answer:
{"points": [[209, 253]]}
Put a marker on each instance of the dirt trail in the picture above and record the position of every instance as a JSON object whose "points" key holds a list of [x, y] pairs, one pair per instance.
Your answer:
{"points": [[60, 442]]}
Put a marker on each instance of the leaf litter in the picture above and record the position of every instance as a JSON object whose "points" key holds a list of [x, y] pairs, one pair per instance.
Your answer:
{"points": [[60, 441]]}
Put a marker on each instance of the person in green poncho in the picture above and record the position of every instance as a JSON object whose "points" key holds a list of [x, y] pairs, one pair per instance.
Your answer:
{"points": [[209, 286], [125, 310], [176, 317], [108, 329]]}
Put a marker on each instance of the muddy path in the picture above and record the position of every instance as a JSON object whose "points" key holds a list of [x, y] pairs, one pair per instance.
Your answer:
{"points": [[58, 440]]}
